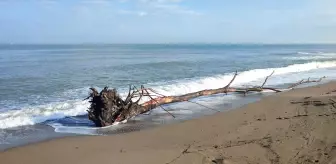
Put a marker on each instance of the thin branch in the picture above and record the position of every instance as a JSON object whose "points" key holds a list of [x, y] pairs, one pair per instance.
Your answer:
{"points": [[203, 106], [183, 152], [143, 88], [141, 94], [273, 89], [306, 81], [234, 77], [129, 91], [266, 79], [156, 92]]}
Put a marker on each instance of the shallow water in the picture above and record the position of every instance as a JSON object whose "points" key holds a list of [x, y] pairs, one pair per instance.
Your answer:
{"points": [[42, 86]]}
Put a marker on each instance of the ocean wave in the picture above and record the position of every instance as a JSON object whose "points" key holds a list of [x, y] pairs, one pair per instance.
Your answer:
{"points": [[251, 77], [312, 56], [37, 114], [85, 130], [307, 53]]}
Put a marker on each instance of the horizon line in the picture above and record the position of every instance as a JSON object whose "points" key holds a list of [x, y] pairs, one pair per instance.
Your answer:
{"points": [[173, 43]]}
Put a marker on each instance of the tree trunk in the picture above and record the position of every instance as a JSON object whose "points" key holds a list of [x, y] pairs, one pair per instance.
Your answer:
{"points": [[107, 107]]}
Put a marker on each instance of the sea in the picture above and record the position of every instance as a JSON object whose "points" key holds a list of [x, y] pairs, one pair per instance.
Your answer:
{"points": [[43, 87]]}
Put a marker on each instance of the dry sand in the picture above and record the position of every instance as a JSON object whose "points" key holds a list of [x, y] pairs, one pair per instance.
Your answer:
{"points": [[277, 129]]}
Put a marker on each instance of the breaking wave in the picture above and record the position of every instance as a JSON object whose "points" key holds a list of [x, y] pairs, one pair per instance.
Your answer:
{"points": [[312, 56], [37, 114]]}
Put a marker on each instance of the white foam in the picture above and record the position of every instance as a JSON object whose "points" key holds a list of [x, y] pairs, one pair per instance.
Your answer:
{"points": [[312, 56], [83, 130], [37, 114], [305, 53]]}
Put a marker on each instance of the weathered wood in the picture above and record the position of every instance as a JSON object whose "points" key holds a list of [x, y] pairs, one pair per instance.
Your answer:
{"points": [[107, 107], [306, 81]]}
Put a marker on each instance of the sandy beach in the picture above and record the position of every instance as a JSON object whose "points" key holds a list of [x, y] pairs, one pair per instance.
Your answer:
{"points": [[297, 126]]}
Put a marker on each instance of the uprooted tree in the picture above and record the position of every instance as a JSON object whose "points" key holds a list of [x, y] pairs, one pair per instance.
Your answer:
{"points": [[108, 107]]}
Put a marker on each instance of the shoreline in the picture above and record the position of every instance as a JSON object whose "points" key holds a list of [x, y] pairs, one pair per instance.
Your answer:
{"points": [[271, 130], [43, 132]]}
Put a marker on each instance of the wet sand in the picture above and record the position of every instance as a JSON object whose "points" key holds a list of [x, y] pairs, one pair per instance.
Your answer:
{"points": [[297, 126]]}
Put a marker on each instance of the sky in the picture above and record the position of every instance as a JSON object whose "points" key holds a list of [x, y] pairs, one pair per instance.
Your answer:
{"points": [[167, 21]]}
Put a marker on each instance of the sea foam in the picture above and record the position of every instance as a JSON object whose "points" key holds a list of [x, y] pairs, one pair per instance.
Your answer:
{"points": [[312, 56]]}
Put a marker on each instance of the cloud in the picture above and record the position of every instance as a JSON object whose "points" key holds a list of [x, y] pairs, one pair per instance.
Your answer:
{"points": [[129, 12], [48, 2], [168, 6], [157, 7], [98, 2], [144, 7], [142, 13], [160, 1], [176, 9]]}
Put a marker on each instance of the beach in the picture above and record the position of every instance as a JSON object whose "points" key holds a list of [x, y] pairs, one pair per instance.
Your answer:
{"points": [[167, 81], [43, 86], [296, 126]]}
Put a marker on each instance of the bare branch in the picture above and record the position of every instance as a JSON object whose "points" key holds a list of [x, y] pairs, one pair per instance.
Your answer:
{"points": [[234, 77], [143, 88], [203, 106], [266, 79], [306, 81], [272, 89]]}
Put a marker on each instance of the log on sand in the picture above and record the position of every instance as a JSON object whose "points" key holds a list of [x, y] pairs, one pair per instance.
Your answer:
{"points": [[107, 106]]}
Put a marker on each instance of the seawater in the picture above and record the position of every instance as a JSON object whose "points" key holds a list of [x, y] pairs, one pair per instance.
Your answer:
{"points": [[43, 86]]}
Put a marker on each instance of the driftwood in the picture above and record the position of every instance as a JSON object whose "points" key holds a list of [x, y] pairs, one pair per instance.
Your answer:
{"points": [[108, 107], [303, 81]]}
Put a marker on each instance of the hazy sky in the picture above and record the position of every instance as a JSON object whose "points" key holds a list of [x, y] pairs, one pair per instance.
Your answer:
{"points": [[167, 21]]}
